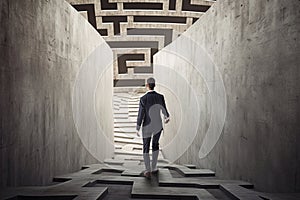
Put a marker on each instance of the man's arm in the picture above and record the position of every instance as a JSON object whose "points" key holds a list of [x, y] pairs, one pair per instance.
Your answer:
{"points": [[164, 110], [140, 116]]}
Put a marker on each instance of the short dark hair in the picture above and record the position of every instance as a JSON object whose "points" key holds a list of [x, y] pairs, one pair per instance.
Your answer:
{"points": [[151, 83]]}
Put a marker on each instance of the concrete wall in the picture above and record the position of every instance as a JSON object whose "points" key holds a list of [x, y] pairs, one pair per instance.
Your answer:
{"points": [[239, 64], [50, 72]]}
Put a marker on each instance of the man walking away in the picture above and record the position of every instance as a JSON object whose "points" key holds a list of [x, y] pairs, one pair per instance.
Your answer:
{"points": [[152, 104]]}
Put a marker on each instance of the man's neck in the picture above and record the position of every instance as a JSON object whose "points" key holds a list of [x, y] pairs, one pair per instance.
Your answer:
{"points": [[150, 91]]}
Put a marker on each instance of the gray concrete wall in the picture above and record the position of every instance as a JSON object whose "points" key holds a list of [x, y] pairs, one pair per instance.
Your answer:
{"points": [[50, 72], [236, 74]]}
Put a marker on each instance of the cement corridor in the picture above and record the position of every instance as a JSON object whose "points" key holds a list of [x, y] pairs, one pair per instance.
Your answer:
{"points": [[120, 177]]}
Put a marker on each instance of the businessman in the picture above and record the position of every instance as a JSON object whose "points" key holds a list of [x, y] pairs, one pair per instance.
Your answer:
{"points": [[151, 106]]}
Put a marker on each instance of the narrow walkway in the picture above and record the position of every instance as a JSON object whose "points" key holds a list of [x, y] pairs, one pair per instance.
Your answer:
{"points": [[127, 144], [120, 177]]}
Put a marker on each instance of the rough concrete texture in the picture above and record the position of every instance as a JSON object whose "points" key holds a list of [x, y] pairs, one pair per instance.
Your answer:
{"points": [[254, 46], [43, 44]]}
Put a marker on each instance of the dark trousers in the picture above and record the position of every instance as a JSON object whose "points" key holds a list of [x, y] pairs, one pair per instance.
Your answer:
{"points": [[155, 144]]}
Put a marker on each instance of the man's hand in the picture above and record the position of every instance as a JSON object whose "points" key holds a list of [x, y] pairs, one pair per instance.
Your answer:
{"points": [[167, 120], [138, 134]]}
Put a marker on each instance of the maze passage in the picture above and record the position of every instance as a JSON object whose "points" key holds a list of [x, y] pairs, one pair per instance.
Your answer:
{"points": [[159, 21]]}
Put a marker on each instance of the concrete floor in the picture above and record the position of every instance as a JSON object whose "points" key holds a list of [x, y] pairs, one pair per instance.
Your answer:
{"points": [[120, 177]]}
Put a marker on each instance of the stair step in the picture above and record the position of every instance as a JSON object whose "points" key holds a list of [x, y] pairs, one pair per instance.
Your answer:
{"points": [[123, 125], [121, 116], [185, 171], [125, 130], [120, 151], [133, 106], [134, 109], [127, 141], [190, 166], [126, 120], [123, 135]]}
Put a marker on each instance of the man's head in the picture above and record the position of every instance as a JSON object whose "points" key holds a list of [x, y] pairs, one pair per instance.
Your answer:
{"points": [[150, 83]]}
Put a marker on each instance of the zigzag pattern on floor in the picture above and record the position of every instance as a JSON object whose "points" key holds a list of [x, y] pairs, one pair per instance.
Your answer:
{"points": [[121, 177]]}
